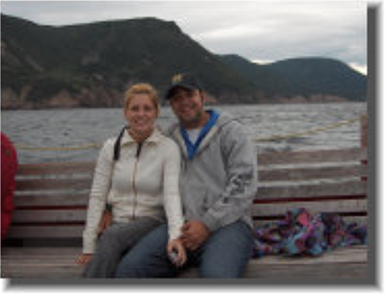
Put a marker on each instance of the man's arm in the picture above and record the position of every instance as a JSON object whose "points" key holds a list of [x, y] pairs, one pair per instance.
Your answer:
{"points": [[240, 191]]}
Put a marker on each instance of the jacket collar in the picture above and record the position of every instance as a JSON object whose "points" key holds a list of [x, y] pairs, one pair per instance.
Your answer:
{"points": [[154, 138], [176, 134]]}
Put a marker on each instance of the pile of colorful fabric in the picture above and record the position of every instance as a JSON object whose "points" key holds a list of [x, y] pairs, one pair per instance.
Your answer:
{"points": [[301, 233]]}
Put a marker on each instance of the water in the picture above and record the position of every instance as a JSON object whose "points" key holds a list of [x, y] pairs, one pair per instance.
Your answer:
{"points": [[77, 127]]}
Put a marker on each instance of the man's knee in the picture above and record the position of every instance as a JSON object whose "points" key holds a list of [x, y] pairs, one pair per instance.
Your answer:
{"points": [[226, 264], [216, 271], [227, 252]]}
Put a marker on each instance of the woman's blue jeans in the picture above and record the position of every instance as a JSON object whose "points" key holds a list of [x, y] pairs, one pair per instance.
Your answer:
{"points": [[224, 254]]}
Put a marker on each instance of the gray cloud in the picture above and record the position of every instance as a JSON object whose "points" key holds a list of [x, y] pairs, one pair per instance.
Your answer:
{"points": [[257, 30]]}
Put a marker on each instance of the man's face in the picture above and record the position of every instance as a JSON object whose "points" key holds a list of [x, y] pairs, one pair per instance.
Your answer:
{"points": [[188, 106]]}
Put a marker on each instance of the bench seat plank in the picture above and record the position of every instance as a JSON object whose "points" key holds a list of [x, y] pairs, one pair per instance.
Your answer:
{"points": [[57, 263]]}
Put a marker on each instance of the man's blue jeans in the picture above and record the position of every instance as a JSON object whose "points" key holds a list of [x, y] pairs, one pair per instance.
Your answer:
{"points": [[224, 254]]}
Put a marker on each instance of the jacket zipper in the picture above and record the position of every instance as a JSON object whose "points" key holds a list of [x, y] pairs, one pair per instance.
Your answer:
{"points": [[134, 180]]}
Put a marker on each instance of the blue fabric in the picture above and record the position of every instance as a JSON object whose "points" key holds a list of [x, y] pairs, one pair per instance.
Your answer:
{"points": [[193, 147], [224, 255]]}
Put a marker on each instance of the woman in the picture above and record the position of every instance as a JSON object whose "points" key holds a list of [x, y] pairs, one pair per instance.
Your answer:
{"points": [[137, 176]]}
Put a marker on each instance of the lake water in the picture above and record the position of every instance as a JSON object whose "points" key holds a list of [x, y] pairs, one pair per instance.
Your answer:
{"points": [[78, 127]]}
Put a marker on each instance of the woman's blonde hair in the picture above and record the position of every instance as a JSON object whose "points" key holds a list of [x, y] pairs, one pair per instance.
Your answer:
{"points": [[142, 88]]}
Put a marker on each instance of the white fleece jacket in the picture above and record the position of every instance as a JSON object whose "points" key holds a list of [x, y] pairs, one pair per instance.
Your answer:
{"points": [[147, 185]]}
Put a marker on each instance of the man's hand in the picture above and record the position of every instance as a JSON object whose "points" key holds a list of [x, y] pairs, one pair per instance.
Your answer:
{"points": [[106, 221], [194, 234]]}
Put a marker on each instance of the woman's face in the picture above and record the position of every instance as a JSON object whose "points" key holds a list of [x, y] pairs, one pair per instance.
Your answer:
{"points": [[141, 113]]}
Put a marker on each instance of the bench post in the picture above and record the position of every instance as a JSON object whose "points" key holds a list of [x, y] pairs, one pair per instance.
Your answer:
{"points": [[364, 141]]}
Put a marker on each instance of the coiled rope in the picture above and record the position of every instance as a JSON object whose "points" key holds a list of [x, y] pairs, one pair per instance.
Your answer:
{"points": [[265, 139]]}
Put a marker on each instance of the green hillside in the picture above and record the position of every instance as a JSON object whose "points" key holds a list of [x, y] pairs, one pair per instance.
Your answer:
{"points": [[302, 76], [322, 75], [107, 57], [90, 65]]}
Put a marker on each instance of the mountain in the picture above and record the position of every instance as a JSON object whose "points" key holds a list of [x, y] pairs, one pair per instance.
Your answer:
{"points": [[91, 65], [305, 77]]}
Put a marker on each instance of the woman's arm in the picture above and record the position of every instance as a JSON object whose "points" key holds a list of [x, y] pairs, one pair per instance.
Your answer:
{"points": [[171, 193], [98, 197], [172, 204]]}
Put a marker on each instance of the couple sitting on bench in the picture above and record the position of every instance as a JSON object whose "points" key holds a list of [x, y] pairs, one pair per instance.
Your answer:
{"points": [[206, 168]]}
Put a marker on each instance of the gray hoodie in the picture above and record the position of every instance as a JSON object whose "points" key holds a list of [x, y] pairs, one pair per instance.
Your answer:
{"points": [[219, 184]]}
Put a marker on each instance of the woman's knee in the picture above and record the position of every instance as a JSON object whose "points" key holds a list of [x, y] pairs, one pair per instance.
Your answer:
{"points": [[141, 260], [109, 241]]}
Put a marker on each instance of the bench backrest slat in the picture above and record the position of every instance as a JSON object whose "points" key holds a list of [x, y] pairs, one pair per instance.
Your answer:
{"points": [[47, 216], [52, 184], [56, 168], [347, 206], [49, 232], [318, 156], [51, 198], [310, 173], [26, 201], [347, 188]]}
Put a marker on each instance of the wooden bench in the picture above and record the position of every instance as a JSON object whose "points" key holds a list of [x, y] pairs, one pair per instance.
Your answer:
{"points": [[44, 239]]}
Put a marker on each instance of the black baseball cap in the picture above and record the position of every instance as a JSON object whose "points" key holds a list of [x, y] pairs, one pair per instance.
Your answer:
{"points": [[185, 80]]}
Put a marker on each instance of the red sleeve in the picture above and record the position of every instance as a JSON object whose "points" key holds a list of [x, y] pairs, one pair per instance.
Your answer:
{"points": [[8, 171]]}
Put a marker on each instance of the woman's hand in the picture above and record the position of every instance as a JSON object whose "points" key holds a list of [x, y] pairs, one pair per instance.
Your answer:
{"points": [[84, 259], [176, 252], [106, 221]]}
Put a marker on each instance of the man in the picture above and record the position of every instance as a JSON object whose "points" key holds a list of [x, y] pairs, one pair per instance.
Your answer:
{"points": [[217, 185]]}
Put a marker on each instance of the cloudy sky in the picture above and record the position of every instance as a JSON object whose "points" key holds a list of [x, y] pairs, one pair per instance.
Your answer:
{"points": [[261, 31]]}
